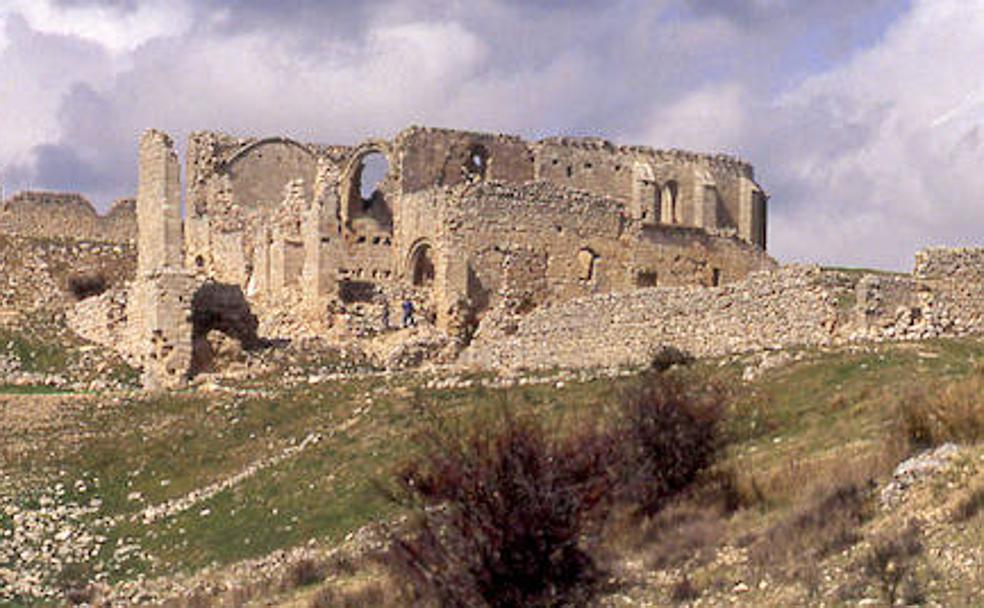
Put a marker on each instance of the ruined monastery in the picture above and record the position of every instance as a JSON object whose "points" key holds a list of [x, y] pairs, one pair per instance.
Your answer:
{"points": [[514, 254]]}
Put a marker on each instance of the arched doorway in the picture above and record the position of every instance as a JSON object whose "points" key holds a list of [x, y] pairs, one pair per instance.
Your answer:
{"points": [[421, 265]]}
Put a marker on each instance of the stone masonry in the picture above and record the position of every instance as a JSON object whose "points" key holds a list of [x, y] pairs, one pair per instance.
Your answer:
{"points": [[56, 215], [794, 306], [305, 226], [159, 301], [560, 252]]}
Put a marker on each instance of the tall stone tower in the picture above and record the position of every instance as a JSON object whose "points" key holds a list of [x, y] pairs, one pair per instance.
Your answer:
{"points": [[160, 310]]}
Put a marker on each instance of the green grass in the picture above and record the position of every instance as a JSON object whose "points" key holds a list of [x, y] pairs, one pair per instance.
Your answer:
{"points": [[30, 389], [165, 447], [863, 271], [35, 353]]}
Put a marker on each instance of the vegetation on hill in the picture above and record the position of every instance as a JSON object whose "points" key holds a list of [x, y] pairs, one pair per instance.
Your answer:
{"points": [[177, 488]]}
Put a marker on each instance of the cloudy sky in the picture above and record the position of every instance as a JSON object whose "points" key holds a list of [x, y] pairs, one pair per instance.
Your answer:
{"points": [[863, 117]]}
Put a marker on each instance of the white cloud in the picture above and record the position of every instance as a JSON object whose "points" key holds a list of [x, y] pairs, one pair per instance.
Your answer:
{"points": [[908, 179], [116, 28], [709, 118]]}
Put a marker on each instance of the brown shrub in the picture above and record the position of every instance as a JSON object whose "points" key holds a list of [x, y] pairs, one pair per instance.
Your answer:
{"points": [[669, 435], [502, 514], [507, 515]]}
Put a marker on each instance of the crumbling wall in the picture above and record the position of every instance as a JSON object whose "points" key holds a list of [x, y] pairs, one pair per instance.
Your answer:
{"points": [[679, 255], [160, 299], [443, 157], [580, 235], [950, 263], [234, 188], [587, 244], [58, 215], [793, 306], [767, 310]]}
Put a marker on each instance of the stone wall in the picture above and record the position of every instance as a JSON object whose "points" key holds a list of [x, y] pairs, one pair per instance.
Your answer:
{"points": [[36, 273], [58, 215], [580, 243], [794, 306], [444, 157], [940, 262]]}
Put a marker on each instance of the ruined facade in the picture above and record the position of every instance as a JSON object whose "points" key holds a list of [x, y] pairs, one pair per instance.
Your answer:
{"points": [[458, 220], [326, 240]]}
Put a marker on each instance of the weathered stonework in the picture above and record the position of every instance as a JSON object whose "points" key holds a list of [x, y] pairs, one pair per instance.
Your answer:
{"points": [[794, 306], [945, 263], [294, 224], [159, 308], [562, 252], [56, 215]]}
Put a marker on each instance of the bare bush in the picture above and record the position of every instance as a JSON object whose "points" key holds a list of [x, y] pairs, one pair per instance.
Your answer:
{"points": [[669, 435], [502, 514], [891, 562]]}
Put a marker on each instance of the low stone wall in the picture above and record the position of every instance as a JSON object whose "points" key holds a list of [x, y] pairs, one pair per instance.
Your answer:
{"points": [[794, 306], [58, 215], [940, 262]]}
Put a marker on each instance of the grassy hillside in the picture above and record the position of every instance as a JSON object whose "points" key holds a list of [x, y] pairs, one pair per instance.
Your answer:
{"points": [[116, 488]]}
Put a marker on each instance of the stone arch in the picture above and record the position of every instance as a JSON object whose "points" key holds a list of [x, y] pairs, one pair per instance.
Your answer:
{"points": [[353, 204], [246, 149], [222, 308], [420, 264], [257, 174]]}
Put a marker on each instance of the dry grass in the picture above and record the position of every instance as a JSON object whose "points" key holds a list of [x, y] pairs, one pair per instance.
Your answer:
{"points": [[371, 589], [970, 505], [303, 572], [949, 412], [827, 524], [891, 563], [798, 479]]}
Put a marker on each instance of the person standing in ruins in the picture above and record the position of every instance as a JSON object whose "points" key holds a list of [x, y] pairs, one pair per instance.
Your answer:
{"points": [[408, 313], [385, 315]]}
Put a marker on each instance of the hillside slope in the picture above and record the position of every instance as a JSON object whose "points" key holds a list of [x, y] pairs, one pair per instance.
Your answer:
{"points": [[173, 495]]}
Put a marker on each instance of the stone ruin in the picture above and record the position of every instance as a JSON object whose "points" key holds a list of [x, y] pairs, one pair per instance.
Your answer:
{"points": [[296, 239], [59, 215], [562, 252]]}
